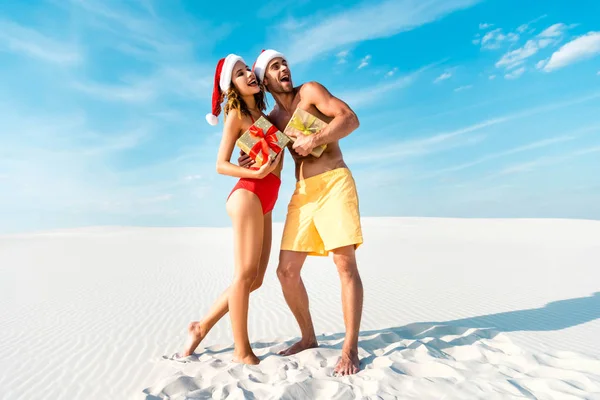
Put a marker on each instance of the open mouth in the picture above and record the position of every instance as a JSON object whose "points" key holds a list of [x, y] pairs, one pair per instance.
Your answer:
{"points": [[285, 78], [252, 83]]}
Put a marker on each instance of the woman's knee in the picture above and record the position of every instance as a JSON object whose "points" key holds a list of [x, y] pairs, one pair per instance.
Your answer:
{"points": [[245, 278]]}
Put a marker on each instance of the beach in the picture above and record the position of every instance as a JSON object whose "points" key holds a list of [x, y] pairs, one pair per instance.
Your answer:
{"points": [[453, 309]]}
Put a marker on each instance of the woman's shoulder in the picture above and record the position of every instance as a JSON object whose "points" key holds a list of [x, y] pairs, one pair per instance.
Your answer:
{"points": [[236, 119]]}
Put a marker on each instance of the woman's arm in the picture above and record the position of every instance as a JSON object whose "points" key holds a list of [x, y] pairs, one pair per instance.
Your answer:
{"points": [[233, 125]]}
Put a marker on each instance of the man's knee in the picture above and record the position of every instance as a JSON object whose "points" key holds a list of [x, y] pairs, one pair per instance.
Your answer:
{"points": [[345, 261], [290, 264], [287, 273]]}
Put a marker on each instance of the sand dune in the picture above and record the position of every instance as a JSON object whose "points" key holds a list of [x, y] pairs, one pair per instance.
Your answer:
{"points": [[416, 362], [454, 309]]}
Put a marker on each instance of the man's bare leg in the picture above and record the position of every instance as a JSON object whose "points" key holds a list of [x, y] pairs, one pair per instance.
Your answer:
{"points": [[352, 301], [296, 297]]}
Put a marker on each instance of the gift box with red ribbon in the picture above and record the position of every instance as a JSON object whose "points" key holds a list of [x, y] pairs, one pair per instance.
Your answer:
{"points": [[262, 140]]}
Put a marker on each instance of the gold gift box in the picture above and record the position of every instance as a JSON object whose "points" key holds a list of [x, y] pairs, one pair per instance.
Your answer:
{"points": [[273, 140], [303, 122]]}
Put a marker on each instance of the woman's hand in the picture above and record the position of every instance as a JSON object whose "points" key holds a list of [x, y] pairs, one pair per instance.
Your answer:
{"points": [[269, 166]]}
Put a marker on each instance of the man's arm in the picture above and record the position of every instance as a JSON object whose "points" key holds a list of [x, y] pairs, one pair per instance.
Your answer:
{"points": [[344, 119]]}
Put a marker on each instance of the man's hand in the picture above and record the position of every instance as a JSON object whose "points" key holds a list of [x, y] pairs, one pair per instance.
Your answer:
{"points": [[244, 160], [304, 144]]}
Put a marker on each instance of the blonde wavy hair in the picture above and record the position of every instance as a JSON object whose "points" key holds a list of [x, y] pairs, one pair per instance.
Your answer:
{"points": [[235, 101]]}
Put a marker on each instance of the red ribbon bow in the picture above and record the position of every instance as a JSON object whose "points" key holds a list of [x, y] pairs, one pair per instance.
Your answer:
{"points": [[266, 141]]}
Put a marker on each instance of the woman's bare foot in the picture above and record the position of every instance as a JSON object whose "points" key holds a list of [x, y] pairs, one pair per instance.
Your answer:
{"points": [[349, 364], [298, 347], [246, 358], [195, 336]]}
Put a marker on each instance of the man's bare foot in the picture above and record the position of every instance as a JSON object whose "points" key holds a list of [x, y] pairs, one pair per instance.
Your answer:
{"points": [[195, 336], [349, 364], [298, 347], [246, 358]]}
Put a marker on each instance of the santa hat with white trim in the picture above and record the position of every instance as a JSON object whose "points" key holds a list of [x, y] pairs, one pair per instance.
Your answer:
{"points": [[222, 83], [260, 65]]}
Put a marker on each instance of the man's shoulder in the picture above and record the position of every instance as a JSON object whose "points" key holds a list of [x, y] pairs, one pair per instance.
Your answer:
{"points": [[311, 86]]}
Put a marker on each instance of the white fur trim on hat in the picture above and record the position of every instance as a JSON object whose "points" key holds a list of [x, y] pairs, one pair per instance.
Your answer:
{"points": [[263, 60], [227, 71], [222, 82]]}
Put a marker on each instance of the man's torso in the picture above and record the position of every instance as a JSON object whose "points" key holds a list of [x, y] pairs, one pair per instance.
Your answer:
{"points": [[308, 166]]}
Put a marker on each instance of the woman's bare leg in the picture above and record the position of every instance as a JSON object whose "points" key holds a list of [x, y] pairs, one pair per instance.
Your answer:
{"points": [[246, 214], [197, 330]]}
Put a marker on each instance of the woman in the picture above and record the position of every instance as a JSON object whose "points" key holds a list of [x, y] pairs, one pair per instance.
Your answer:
{"points": [[249, 205]]}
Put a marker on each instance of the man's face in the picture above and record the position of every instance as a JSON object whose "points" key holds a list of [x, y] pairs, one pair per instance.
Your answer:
{"points": [[278, 78]]}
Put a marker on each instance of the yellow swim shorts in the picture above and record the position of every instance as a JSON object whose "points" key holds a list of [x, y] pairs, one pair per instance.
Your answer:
{"points": [[323, 214]]}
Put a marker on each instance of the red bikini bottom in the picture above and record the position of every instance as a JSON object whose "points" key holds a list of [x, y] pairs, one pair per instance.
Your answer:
{"points": [[266, 189]]}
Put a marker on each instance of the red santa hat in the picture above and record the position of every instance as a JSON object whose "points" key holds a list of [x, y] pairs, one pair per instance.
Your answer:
{"points": [[222, 83], [265, 57]]}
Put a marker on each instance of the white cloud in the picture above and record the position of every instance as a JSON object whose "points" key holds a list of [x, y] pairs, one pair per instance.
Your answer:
{"points": [[598, 73], [391, 73], [543, 162], [517, 57], [273, 8], [110, 92], [581, 48], [462, 88], [540, 64], [443, 77], [367, 21], [485, 26], [63, 159], [515, 74], [525, 27], [364, 62], [368, 95], [342, 56], [182, 80], [554, 31], [439, 141], [190, 178], [496, 38], [18, 39], [371, 94], [516, 150], [419, 147]]}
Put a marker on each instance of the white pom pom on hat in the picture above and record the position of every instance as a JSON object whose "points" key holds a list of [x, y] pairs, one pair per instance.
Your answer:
{"points": [[212, 119], [222, 82]]}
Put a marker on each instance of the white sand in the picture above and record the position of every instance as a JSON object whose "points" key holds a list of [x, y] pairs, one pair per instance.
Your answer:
{"points": [[454, 309]]}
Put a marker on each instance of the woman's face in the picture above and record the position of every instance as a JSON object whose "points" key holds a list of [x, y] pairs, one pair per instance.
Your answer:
{"points": [[244, 80]]}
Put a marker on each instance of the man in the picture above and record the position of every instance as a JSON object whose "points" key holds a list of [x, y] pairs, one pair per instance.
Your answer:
{"points": [[323, 214]]}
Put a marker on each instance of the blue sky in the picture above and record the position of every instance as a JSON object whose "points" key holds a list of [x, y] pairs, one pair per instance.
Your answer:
{"points": [[468, 108]]}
